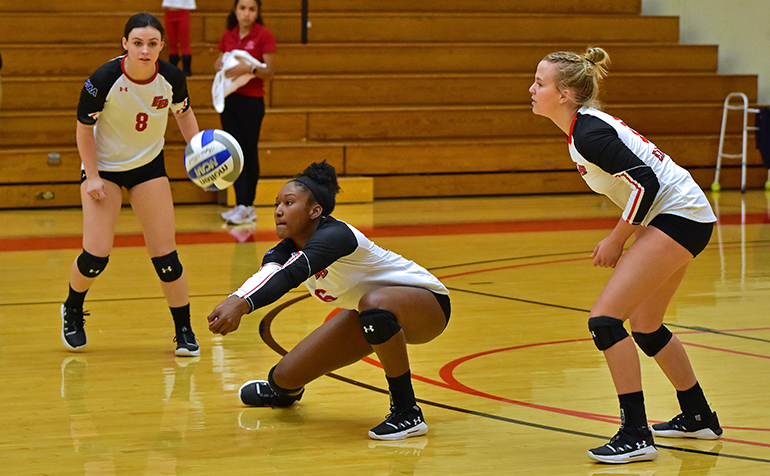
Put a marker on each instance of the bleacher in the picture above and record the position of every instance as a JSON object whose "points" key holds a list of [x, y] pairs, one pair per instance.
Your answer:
{"points": [[428, 98]]}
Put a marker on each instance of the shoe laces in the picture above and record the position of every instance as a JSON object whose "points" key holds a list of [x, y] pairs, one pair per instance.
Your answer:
{"points": [[401, 414], [188, 335], [679, 421], [74, 316], [623, 436]]}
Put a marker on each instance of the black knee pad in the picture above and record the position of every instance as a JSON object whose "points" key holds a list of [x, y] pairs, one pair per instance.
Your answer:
{"points": [[89, 265], [606, 331], [168, 267], [653, 342], [379, 325], [284, 392]]}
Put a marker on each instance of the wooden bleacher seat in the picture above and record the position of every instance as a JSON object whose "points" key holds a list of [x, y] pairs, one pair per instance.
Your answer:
{"points": [[424, 98]]}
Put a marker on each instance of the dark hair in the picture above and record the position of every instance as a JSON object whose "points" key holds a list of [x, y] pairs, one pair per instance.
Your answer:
{"points": [[320, 179], [232, 20], [141, 20]]}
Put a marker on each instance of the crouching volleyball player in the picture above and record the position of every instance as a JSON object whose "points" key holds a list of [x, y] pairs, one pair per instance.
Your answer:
{"points": [[387, 301]]}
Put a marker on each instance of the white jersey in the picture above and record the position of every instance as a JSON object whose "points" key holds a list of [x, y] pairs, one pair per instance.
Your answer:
{"points": [[180, 4], [338, 266], [620, 163], [130, 117]]}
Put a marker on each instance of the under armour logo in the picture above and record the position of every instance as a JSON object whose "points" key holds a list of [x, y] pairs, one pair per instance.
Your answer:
{"points": [[165, 270], [124, 90], [368, 329], [640, 444], [94, 271]]}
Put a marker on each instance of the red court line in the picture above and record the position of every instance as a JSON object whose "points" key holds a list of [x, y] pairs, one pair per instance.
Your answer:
{"points": [[447, 374], [224, 236], [451, 383], [749, 219], [435, 229], [126, 240], [472, 228], [727, 350]]}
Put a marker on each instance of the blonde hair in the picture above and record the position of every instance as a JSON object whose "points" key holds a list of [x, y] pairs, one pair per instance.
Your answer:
{"points": [[582, 74]]}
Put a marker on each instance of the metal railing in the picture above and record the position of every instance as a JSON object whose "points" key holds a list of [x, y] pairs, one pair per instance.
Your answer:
{"points": [[304, 22]]}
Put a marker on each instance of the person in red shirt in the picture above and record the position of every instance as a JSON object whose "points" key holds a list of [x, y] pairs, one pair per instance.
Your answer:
{"points": [[245, 108]]}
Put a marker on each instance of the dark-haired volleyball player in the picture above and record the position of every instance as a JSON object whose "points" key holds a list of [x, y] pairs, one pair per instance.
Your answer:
{"points": [[122, 115], [671, 221], [387, 301]]}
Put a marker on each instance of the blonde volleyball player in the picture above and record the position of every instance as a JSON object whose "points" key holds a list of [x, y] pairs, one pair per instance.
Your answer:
{"points": [[388, 302], [122, 116], [671, 221]]}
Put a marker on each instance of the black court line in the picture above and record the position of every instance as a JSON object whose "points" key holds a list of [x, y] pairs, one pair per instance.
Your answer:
{"points": [[510, 298], [515, 258], [267, 337], [721, 333], [559, 306], [538, 425]]}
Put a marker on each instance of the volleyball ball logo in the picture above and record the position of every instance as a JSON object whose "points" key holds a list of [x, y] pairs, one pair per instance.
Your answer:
{"points": [[213, 159]]}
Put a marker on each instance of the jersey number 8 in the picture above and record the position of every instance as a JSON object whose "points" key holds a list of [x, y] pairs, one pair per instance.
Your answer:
{"points": [[141, 121]]}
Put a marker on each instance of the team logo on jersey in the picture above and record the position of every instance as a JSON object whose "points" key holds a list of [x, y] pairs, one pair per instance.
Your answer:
{"points": [[90, 88], [159, 102], [321, 294], [581, 169], [321, 274]]}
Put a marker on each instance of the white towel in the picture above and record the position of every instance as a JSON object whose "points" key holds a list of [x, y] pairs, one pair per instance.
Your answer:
{"points": [[223, 86]]}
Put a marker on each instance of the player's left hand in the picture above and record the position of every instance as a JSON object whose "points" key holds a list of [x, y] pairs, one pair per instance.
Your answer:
{"points": [[226, 317], [607, 253]]}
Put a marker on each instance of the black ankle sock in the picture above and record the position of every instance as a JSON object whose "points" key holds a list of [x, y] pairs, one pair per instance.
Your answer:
{"points": [[401, 391], [632, 412], [693, 403], [75, 299], [181, 317]]}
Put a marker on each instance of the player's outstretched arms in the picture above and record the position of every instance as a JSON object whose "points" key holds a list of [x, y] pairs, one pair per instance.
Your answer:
{"points": [[226, 317]]}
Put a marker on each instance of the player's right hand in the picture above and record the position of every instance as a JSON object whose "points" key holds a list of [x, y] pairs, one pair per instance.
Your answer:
{"points": [[95, 188], [226, 317]]}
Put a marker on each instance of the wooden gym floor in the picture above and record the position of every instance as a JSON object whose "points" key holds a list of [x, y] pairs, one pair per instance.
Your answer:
{"points": [[513, 386]]}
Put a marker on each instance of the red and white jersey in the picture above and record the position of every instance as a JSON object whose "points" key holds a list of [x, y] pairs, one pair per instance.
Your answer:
{"points": [[130, 117], [620, 163], [338, 266]]}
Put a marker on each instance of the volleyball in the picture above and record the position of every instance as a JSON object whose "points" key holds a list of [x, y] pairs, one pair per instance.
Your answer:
{"points": [[213, 159]]}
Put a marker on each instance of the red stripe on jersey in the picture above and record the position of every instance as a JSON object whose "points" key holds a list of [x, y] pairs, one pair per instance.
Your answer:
{"points": [[267, 278], [123, 68], [261, 283]]}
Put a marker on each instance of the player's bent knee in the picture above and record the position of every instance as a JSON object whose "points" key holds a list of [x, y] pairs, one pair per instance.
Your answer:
{"points": [[90, 266], [277, 388], [379, 325], [168, 267], [653, 342], [606, 331]]}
